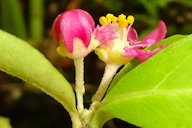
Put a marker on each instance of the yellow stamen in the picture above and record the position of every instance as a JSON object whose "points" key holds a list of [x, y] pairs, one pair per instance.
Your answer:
{"points": [[111, 18], [108, 19], [130, 19], [114, 19], [122, 21], [121, 17], [103, 20]]}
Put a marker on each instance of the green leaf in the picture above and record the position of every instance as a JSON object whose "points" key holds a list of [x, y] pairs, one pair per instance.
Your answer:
{"points": [[127, 68], [20, 59], [4, 122], [155, 94], [130, 66], [168, 41]]}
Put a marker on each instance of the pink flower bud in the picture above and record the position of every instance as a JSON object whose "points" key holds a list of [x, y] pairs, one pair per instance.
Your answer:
{"points": [[71, 28]]}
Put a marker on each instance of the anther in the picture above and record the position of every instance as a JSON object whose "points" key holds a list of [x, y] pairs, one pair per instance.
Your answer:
{"points": [[122, 21], [103, 20], [130, 19], [111, 18], [114, 19], [121, 17]]}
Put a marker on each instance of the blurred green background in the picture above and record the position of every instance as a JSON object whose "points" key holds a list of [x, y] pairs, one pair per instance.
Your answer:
{"points": [[31, 20]]}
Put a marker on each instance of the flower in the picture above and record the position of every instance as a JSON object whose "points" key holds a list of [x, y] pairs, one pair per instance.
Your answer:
{"points": [[119, 40], [73, 31]]}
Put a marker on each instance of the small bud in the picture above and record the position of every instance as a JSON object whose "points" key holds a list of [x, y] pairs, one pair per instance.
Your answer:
{"points": [[73, 31]]}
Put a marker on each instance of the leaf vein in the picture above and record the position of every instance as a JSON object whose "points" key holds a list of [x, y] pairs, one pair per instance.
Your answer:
{"points": [[169, 74]]}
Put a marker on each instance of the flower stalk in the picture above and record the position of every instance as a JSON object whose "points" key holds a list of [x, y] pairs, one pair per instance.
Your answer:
{"points": [[79, 81], [76, 122], [110, 71]]}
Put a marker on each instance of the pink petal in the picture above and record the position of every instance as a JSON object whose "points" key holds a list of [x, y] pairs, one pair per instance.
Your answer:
{"points": [[72, 24], [106, 33], [157, 35], [141, 54], [132, 35], [130, 52], [137, 44], [56, 28], [144, 55]]}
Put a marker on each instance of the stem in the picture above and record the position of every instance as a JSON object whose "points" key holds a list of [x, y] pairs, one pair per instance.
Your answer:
{"points": [[80, 89], [36, 20], [110, 71], [76, 122]]}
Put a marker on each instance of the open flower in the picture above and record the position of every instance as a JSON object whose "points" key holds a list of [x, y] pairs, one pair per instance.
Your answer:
{"points": [[119, 40], [119, 44], [73, 31], [112, 36]]}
